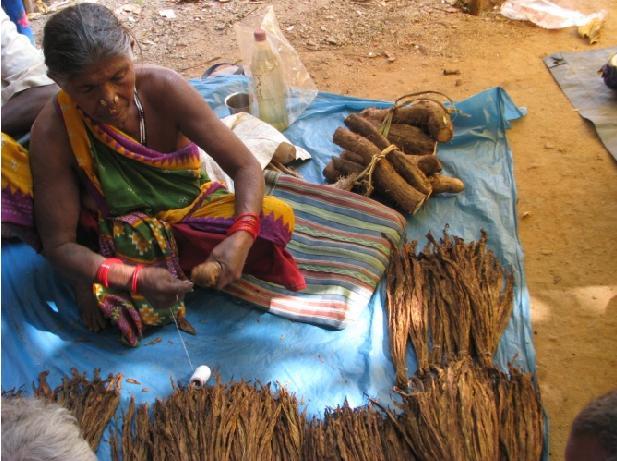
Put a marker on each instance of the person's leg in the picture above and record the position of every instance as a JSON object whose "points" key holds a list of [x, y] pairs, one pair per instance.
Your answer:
{"points": [[267, 260]]}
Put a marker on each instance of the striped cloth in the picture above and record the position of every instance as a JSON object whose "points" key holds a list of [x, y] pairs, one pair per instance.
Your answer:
{"points": [[342, 244]]}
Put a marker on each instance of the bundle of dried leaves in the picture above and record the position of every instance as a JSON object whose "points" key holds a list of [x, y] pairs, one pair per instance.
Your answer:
{"points": [[463, 411], [222, 422], [92, 402], [451, 414], [454, 293], [470, 412], [521, 416], [241, 422], [361, 434], [471, 295], [407, 313]]}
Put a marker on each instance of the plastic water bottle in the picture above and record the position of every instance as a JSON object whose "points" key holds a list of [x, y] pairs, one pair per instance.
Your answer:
{"points": [[269, 92]]}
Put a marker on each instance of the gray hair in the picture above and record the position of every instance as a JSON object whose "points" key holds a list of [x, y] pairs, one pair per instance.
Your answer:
{"points": [[34, 430], [599, 420], [79, 36]]}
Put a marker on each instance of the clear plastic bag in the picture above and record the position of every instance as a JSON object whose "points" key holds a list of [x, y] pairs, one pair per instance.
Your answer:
{"points": [[301, 88]]}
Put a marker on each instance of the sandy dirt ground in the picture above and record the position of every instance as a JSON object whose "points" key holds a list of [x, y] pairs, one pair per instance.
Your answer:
{"points": [[567, 181]]}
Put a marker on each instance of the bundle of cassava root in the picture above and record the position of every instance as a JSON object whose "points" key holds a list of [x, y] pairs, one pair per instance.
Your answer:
{"points": [[392, 152]]}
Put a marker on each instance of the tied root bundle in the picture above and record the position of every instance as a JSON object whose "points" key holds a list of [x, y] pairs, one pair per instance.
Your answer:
{"points": [[392, 152]]}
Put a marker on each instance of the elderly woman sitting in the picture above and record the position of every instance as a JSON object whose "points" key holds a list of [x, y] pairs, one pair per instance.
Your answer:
{"points": [[116, 152]]}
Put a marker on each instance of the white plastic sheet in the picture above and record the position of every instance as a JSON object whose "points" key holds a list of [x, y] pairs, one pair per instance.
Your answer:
{"points": [[549, 14]]}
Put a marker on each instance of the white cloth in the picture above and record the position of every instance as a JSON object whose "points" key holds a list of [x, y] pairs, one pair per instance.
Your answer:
{"points": [[23, 66], [260, 138]]}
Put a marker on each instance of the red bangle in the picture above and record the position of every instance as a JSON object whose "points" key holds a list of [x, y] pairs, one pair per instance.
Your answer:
{"points": [[243, 227], [248, 214], [102, 272], [248, 222], [250, 227], [135, 279]]}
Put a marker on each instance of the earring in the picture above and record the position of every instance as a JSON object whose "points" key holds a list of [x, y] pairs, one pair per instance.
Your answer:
{"points": [[103, 103]]}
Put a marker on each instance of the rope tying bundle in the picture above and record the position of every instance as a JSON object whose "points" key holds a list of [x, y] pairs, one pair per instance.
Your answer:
{"points": [[409, 100], [368, 171]]}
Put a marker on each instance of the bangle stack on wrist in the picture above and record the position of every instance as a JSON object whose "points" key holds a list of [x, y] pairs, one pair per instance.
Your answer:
{"points": [[248, 222], [102, 272]]}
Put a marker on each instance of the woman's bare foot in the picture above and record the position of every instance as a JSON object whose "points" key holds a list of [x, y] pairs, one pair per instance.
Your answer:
{"points": [[91, 315]]}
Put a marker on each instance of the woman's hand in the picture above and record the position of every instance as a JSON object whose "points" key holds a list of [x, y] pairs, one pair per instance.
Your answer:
{"points": [[161, 288], [231, 253]]}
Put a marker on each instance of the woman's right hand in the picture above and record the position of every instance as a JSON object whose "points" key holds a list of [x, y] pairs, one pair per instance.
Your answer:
{"points": [[161, 288]]}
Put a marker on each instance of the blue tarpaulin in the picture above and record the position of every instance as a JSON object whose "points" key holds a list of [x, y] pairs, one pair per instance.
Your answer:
{"points": [[41, 328]]}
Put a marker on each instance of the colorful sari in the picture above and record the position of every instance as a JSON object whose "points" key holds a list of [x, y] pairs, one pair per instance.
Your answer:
{"points": [[16, 184], [160, 209], [17, 219]]}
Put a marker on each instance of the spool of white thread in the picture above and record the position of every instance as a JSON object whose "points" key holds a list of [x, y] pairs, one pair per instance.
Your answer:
{"points": [[200, 377]]}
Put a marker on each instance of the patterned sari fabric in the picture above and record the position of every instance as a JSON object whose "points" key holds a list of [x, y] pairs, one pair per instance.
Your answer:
{"points": [[159, 209], [16, 183], [17, 204]]}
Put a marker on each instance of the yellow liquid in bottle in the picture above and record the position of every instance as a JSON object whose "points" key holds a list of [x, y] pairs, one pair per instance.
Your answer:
{"points": [[269, 101]]}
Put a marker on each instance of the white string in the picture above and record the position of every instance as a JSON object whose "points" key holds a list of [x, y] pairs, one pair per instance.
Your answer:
{"points": [[182, 340]]}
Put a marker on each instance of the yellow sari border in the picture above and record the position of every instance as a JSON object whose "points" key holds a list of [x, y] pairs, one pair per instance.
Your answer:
{"points": [[78, 137]]}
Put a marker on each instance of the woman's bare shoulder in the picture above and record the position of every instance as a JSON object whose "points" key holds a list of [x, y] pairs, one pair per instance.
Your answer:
{"points": [[151, 77], [164, 88], [49, 141]]}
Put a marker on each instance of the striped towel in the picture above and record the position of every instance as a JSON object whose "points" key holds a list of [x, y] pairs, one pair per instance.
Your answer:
{"points": [[342, 244]]}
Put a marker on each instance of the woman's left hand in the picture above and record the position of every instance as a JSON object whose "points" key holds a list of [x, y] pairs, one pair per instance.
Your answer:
{"points": [[231, 253]]}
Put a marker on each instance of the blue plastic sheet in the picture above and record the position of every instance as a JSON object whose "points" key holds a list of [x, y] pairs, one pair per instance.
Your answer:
{"points": [[41, 328]]}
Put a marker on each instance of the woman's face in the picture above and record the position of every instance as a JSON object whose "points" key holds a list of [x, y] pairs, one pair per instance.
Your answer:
{"points": [[104, 90]]}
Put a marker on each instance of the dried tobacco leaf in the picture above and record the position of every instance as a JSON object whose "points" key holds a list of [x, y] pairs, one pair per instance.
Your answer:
{"points": [[93, 403], [399, 316], [455, 296], [466, 411]]}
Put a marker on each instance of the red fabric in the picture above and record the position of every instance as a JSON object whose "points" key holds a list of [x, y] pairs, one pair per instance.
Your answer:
{"points": [[265, 261]]}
